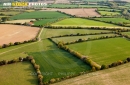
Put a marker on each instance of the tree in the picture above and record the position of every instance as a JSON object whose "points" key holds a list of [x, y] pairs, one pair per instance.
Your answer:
{"points": [[4, 19]]}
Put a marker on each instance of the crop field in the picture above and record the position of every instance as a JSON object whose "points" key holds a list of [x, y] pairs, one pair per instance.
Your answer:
{"points": [[106, 53], [81, 12], [82, 22], [67, 39], [55, 32], [18, 73], [108, 9], [109, 13], [15, 33], [115, 20], [44, 21], [39, 14], [113, 76]]}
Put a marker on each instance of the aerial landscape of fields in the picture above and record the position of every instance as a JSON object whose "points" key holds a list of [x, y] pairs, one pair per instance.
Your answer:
{"points": [[64, 42]]}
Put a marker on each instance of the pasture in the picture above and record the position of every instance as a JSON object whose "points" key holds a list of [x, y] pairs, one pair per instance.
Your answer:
{"points": [[107, 13], [74, 38], [15, 33], [114, 20], [18, 73], [55, 32], [104, 51], [10, 13], [39, 14], [82, 22], [20, 21]]}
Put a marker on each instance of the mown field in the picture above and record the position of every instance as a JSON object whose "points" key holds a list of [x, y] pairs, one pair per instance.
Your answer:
{"points": [[74, 38], [39, 14], [18, 74], [109, 13], [113, 76], [114, 20], [9, 13], [55, 32], [104, 51], [82, 22]]}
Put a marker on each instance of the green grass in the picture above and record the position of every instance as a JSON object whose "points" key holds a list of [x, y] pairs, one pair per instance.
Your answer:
{"points": [[51, 59], [115, 20], [39, 14], [82, 22], [44, 21], [74, 38], [104, 51], [126, 33], [55, 32], [109, 13], [108, 9], [18, 74]]}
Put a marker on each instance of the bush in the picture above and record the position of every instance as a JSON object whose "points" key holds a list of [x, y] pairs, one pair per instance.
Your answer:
{"points": [[33, 61], [103, 67], [36, 66], [53, 80], [4, 45]]}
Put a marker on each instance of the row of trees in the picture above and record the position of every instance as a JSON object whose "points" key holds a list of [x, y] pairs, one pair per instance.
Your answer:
{"points": [[17, 43]]}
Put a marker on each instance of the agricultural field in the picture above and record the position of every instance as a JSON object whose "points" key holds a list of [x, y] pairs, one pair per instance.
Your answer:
{"points": [[55, 32], [82, 22], [60, 46], [18, 73], [114, 20], [38, 14], [81, 12], [73, 38], [14, 33], [113, 76], [20, 21], [44, 21], [102, 53], [107, 13]]}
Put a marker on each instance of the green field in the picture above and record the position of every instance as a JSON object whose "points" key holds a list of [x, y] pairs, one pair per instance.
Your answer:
{"points": [[55, 32], [44, 21], [74, 38], [104, 51], [51, 59], [39, 14], [114, 20], [126, 33], [108, 9], [107, 13], [18, 74], [82, 22]]}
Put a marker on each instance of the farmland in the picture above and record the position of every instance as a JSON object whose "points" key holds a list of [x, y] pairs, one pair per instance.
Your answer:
{"points": [[16, 73], [114, 20], [70, 44], [38, 14], [83, 22], [14, 33], [106, 53], [113, 76]]}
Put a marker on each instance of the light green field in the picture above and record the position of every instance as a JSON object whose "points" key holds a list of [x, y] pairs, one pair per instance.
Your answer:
{"points": [[115, 20], [108, 9], [113, 76], [18, 74], [55, 32], [104, 51], [126, 33], [82, 22], [39, 14], [74, 38], [109, 13]]}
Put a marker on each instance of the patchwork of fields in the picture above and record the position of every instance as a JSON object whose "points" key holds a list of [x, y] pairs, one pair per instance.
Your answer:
{"points": [[63, 51]]}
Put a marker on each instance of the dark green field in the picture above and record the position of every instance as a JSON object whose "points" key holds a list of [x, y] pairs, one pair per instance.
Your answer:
{"points": [[39, 14]]}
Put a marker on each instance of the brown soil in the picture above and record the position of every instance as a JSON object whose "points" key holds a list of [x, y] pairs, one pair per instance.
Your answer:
{"points": [[16, 33]]}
